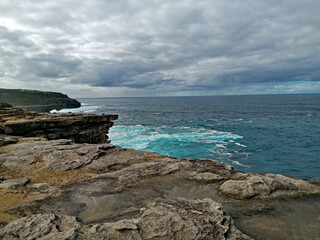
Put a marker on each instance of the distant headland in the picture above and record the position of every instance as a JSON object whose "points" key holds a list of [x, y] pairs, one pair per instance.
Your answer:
{"points": [[38, 101]]}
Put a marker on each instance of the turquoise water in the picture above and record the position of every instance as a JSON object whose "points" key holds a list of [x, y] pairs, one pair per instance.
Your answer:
{"points": [[174, 141], [266, 133]]}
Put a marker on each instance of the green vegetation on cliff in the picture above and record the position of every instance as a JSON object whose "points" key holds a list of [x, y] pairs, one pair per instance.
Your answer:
{"points": [[37, 100], [5, 105]]}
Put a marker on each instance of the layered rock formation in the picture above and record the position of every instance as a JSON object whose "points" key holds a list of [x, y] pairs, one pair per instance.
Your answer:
{"points": [[37, 100], [81, 128], [59, 189]]}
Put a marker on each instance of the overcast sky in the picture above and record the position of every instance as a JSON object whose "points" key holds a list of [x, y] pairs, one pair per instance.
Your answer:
{"points": [[107, 48]]}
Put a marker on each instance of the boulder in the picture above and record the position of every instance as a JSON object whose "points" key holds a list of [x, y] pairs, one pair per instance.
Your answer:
{"points": [[265, 185]]}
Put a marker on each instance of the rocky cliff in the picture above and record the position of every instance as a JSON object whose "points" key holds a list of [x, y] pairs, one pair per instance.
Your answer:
{"points": [[37, 100], [61, 189], [80, 128]]}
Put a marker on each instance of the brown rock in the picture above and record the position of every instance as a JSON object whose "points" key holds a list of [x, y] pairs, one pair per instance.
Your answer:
{"points": [[81, 128], [14, 183], [5, 140], [176, 219], [265, 185], [42, 226]]}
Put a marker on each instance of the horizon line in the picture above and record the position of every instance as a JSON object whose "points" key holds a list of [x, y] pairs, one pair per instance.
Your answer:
{"points": [[222, 95]]}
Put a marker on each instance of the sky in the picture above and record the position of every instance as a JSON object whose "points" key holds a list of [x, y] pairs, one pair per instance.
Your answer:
{"points": [[122, 48]]}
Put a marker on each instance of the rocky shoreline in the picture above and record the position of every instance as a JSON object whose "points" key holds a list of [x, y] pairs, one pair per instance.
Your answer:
{"points": [[60, 179]]}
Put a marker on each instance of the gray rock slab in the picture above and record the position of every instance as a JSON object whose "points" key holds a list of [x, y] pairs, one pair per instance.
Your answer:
{"points": [[14, 183], [176, 219]]}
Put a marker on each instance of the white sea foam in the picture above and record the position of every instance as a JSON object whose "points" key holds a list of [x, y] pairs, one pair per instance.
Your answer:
{"points": [[240, 145], [206, 141], [179, 141], [221, 146], [85, 108], [183, 127], [237, 163]]}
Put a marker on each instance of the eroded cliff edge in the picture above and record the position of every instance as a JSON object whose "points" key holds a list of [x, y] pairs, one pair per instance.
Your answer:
{"points": [[80, 128], [63, 189]]}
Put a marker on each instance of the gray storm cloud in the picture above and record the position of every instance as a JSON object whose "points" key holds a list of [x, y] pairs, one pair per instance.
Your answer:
{"points": [[171, 46]]}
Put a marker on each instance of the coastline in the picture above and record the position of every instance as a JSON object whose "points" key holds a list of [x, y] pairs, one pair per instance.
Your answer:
{"points": [[122, 193], [39, 101], [280, 132]]}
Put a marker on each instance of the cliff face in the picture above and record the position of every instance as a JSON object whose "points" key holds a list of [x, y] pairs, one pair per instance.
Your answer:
{"points": [[37, 100], [61, 189], [80, 128]]}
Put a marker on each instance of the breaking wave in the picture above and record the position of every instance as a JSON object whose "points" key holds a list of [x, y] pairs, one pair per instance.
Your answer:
{"points": [[174, 141], [85, 108]]}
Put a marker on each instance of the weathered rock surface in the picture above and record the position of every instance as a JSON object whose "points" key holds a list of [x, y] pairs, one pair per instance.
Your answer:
{"points": [[265, 185], [14, 183], [192, 169], [63, 155], [81, 128], [176, 219], [37, 100], [5, 140], [68, 190], [11, 113], [127, 168], [42, 226]]}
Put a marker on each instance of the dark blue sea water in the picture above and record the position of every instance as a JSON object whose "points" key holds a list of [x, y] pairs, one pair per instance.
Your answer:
{"points": [[264, 133]]}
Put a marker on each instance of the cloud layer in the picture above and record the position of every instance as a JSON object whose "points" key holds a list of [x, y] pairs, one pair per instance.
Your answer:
{"points": [[132, 47]]}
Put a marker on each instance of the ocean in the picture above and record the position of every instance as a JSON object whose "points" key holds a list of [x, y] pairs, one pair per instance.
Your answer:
{"points": [[256, 133]]}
